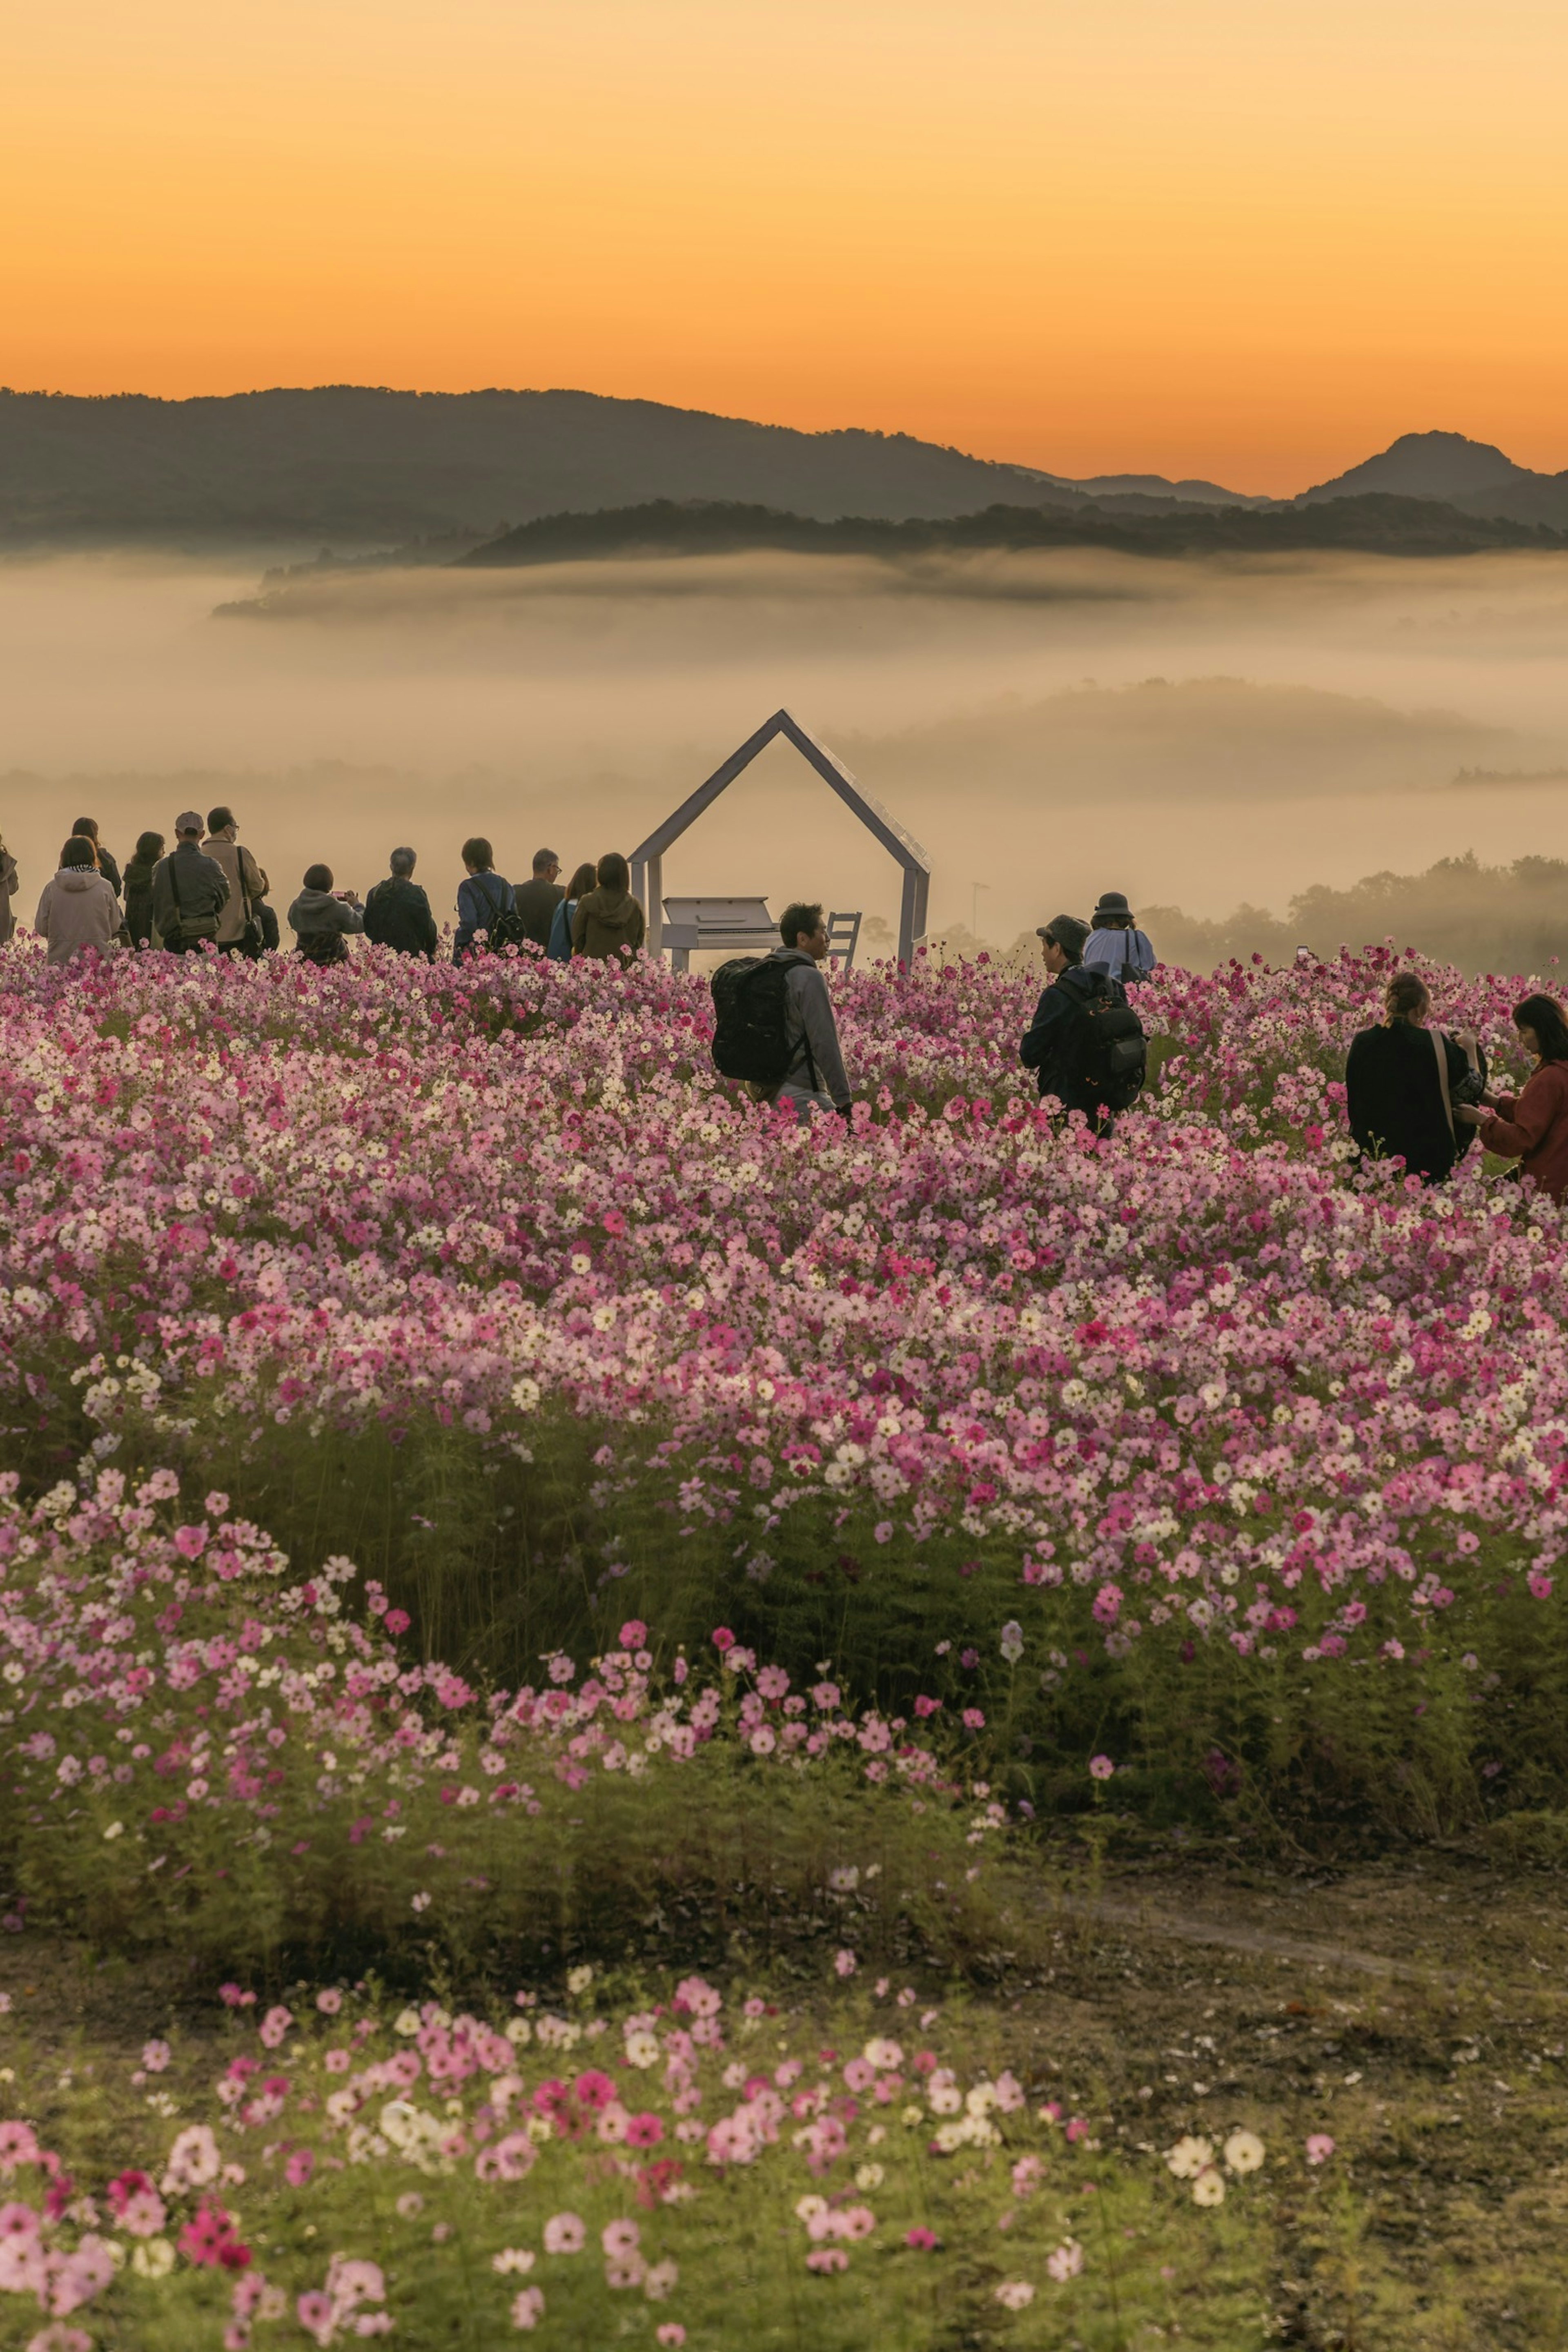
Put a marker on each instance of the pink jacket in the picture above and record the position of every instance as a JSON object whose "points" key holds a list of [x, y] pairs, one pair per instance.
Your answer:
{"points": [[77, 910]]}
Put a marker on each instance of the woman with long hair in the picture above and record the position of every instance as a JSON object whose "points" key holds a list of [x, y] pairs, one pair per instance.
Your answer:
{"points": [[582, 882], [1533, 1127], [1405, 1083], [138, 926]]}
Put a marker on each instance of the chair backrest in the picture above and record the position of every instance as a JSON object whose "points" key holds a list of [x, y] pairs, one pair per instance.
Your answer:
{"points": [[843, 939]]}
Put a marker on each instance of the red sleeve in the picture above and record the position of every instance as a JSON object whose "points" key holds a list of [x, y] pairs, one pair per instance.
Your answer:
{"points": [[1534, 1112]]}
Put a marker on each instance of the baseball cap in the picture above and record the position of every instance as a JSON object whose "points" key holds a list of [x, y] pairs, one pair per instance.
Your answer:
{"points": [[1067, 931], [189, 822]]}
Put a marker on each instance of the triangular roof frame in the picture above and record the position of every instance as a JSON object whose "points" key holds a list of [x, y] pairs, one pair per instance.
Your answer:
{"points": [[648, 858]]}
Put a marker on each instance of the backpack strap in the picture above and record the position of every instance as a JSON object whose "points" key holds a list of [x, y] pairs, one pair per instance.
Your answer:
{"points": [[1441, 1043]]}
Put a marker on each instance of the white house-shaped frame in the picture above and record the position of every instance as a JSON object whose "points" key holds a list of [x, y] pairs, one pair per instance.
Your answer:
{"points": [[648, 858]]}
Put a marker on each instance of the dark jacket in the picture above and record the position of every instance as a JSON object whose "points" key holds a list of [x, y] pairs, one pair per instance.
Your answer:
{"points": [[397, 915], [1046, 1041], [202, 896], [536, 904], [607, 922], [138, 921], [1393, 1099], [109, 869], [1533, 1129], [480, 898]]}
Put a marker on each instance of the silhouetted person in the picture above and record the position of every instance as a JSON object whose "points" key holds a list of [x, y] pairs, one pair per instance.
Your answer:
{"points": [[322, 918], [140, 927], [239, 930], [609, 922], [190, 890], [77, 909], [9, 879], [815, 1079], [87, 827], [397, 913], [538, 900], [1403, 1081], [560, 948]]}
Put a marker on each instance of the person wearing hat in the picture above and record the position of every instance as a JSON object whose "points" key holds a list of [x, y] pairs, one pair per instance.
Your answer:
{"points": [[190, 890], [1049, 1042], [1116, 945]]}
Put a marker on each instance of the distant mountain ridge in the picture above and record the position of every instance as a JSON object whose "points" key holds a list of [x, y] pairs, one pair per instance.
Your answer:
{"points": [[1470, 474], [365, 467]]}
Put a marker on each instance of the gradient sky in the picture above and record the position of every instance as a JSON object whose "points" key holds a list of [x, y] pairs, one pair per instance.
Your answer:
{"points": [[1252, 239]]}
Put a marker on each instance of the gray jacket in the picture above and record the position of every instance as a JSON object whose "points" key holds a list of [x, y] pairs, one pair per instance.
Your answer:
{"points": [[319, 911], [809, 1024], [202, 891]]}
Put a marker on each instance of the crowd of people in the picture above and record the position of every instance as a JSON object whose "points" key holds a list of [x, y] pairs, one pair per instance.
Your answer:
{"points": [[208, 889], [1413, 1093]]}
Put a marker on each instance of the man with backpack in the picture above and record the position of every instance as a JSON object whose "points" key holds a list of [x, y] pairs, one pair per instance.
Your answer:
{"points": [[487, 903], [239, 930], [190, 890], [774, 1024], [1085, 1041]]}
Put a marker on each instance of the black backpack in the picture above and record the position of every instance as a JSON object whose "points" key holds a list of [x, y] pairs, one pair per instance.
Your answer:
{"points": [[505, 928], [1105, 1052], [750, 1005]]}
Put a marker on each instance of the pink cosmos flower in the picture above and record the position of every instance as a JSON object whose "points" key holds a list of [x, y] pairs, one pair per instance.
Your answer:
{"points": [[1319, 2148], [845, 1964], [275, 2025], [565, 2233], [528, 2309], [644, 2130], [925, 2241], [671, 2333], [300, 2167], [827, 2259], [620, 2240], [1100, 1768], [329, 2000], [634, 1635], [155, 2056]]}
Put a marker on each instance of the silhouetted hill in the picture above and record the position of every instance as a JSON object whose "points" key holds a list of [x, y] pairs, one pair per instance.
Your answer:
{"points": [[365, 467], [1379, 524], [1470, 474]]}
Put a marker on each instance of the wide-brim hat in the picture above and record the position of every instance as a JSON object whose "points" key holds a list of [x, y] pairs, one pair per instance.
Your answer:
{"points": [[1111, 902]]}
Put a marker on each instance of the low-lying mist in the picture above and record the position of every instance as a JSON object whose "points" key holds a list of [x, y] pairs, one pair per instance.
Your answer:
{"points": [[1199, 735]]}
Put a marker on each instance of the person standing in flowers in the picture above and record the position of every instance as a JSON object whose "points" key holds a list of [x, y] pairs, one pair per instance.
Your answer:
{"points": [[190, 890], [9, 878], [140, 927], [397, 913], [609, 922], [322, 918], [1052, 1043], [538, 899], [87, 827], [486, 902], [560, 945], [1406, 1084], [77, 909], [1531, 1127], [815, 1079], [1116, 945]]}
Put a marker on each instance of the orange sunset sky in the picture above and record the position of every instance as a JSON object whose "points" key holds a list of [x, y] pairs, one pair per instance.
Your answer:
{"points": [[1248, 238]]}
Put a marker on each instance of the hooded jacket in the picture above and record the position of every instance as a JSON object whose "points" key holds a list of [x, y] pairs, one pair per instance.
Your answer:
{"points": [[319, 912], [77, 910], [605, 922]]}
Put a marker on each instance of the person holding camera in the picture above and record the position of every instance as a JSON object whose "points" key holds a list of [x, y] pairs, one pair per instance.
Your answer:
{"points": [[322, 918], [1404, 1082]]}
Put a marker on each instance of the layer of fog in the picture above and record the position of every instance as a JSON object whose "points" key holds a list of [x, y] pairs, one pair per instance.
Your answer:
{"points": [[1048, 725]]}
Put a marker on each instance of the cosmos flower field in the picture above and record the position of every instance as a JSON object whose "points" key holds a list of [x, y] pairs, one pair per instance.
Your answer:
{"points": [[478, 1484]]}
